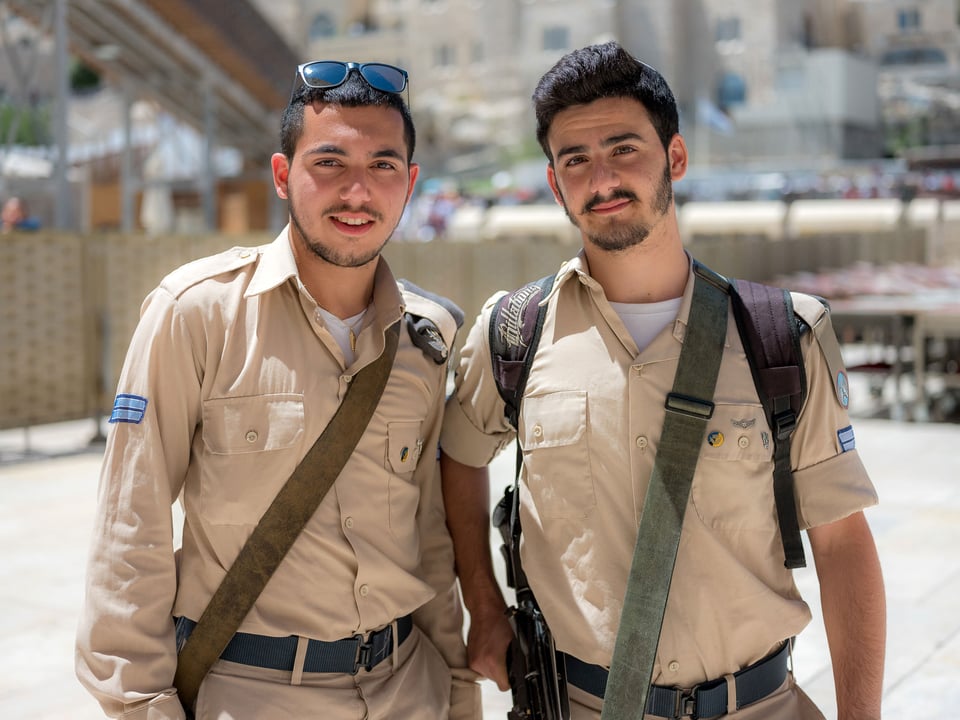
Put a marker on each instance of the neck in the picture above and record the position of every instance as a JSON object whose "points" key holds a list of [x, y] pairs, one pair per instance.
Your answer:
{"points": [[653, 271], [341, 291]]}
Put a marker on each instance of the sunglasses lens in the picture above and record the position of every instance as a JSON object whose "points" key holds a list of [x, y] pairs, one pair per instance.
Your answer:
{"points": [[324, 74], [384, 77]]}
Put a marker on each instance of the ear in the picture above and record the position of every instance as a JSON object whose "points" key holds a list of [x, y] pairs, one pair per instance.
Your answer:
{"points": [[677, 156], [552, 182], [414, 173], [281, 170]]}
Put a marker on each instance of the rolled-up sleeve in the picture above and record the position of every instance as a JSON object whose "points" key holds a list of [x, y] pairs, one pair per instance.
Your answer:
{"points": [[474, 426]]}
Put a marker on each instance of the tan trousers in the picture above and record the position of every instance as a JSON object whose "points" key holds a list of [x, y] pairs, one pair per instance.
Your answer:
{"points": [[419, 687], [789, 702]]}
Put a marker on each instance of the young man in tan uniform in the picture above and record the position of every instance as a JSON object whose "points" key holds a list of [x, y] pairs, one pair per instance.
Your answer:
{"points": [[590, 426], [237, 365]]}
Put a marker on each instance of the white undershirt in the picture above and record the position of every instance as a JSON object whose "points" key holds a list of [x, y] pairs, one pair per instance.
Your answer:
{"points": [[644, 321], [344, 331]]}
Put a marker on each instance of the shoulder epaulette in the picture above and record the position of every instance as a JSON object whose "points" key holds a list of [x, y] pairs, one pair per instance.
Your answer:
{"points": [[432, 321], [188, 275]]}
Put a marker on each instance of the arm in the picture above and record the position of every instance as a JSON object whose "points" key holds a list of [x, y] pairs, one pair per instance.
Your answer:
{"points": [[854, 613], [467, 500], [126, 652]]}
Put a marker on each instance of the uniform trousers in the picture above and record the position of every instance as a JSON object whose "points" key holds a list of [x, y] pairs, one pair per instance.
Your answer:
{"points": [[418, 687], [788, 702]]}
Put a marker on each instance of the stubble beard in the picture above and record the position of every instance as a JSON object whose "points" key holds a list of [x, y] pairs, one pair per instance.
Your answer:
{"points": [[333, 255], [623, 236]]}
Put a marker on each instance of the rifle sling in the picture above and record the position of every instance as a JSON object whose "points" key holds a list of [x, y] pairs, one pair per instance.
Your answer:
{"points": [[689, 407], [282, 522]]}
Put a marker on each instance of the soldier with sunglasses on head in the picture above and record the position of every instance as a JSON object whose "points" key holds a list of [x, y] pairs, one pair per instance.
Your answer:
{"points": [[237, 366]]}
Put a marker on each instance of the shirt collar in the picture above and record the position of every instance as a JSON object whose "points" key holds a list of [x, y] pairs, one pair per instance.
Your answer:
{"points": [[276, 265]]}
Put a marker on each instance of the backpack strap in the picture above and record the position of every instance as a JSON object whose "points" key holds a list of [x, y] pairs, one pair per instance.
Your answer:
{"points": [[771, 337], [515, 325]]}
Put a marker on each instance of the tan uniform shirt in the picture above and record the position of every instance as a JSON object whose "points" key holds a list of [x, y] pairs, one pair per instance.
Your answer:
{"points": [[240, 377], [590, 425]]}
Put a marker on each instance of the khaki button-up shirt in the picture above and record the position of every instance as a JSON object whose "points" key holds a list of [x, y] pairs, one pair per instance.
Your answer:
{"points": [[590, 425], [240, 377]]}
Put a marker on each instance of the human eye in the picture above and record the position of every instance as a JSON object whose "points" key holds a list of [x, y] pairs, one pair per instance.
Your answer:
{"points": [[575, 160], [384, 165], [623, 149]]}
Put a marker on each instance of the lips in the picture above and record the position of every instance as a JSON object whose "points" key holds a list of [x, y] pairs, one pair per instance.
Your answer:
{"points": [[352, 225]]}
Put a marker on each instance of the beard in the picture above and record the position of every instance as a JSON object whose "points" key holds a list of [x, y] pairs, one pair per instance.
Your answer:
{"points": [[625, 235], [332, 255]]}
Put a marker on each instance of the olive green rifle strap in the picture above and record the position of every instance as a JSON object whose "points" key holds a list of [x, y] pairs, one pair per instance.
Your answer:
{"points": [[689, 407], [282, 522]]}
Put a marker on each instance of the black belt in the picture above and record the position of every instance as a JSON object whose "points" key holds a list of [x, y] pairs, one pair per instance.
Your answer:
{"points": [[706, 700], [278, 653]]}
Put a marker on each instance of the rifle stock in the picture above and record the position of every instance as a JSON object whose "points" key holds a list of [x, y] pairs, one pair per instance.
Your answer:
{"points": [[538, 682]]}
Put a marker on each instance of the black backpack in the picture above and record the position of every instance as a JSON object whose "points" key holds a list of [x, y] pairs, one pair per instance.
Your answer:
{"points": [[770, 332]]}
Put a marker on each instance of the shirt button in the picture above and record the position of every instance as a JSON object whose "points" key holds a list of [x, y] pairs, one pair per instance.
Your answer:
{"points": [[743, 441], [252, 436], [348, 523], [538, 430], [641, 442], [673, 666], [364, 591]]}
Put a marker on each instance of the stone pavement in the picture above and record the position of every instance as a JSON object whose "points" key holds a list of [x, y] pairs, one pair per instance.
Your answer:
{"points": [[48, 481]]}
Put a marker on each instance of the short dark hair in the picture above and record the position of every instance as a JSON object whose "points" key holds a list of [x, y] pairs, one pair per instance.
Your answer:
{"points": [[354, 92], [603, 71]]}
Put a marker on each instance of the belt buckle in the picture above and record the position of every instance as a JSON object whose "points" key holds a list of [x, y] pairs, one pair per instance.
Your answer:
{"points": [[367, 655], [364, 656], [686, 704]]}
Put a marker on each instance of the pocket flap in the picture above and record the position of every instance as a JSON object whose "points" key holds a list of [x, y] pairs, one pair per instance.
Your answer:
{"points": [[252, 424], [554, 420]]}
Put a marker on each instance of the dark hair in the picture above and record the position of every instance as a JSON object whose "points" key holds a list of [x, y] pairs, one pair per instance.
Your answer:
{"points": [[603, 71], [354, 92]]}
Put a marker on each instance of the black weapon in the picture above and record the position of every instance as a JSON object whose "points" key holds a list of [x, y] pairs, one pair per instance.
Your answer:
{"points": [[538, 682]]}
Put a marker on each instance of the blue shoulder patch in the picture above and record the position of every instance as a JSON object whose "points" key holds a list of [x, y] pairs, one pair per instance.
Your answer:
{"points": [[847, 440], [128, 409]]}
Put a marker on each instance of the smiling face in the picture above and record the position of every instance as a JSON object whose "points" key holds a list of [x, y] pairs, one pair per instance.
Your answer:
{"points": [[347, 182], [610, 172]]}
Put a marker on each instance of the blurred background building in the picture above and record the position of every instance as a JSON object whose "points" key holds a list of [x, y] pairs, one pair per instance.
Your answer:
{"points": [[166, 111]]}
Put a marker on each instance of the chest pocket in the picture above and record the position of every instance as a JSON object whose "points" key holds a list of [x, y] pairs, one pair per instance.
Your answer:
{"points": [[252, 424], [733, 485], [556, 455], [249, 443], [404, 447]]}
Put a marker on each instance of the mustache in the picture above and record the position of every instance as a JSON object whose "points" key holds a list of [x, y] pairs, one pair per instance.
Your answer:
{"points": [[337, 209], [618, 194]]}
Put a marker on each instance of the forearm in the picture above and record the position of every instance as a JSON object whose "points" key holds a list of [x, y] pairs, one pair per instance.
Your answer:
{"points": [[854, 613], [466, 497]]}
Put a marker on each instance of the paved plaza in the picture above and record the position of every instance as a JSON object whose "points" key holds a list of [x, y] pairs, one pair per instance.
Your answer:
{"points": [[48, 480]]}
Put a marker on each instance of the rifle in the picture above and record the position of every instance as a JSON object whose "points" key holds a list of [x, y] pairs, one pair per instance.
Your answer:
{"points": [[538, 682]]}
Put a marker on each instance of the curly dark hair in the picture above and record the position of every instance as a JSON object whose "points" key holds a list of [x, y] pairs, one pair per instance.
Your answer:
{"points": [[603, 71]]}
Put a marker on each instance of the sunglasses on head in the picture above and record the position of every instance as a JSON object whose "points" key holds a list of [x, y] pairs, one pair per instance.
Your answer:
{"points": [[325, 74]]}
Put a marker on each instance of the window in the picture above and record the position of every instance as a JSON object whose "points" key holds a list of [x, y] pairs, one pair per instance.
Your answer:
{"points": [[556, 37], [727, 29], [322, 26], [444, 56], [908, 19], [731, 90]]}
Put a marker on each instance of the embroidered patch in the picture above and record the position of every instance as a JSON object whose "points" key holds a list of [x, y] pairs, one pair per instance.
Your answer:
{"points": [[847, 440], [744, 424], [128, 409], [403, 454], [715, 439], [843, 389]]}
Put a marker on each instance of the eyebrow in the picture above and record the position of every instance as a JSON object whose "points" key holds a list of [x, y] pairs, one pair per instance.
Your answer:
{"points": [[337, 150], [614, 140]]}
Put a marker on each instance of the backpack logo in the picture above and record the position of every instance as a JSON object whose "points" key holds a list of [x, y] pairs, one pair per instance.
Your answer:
{"points": [[512, 314]]}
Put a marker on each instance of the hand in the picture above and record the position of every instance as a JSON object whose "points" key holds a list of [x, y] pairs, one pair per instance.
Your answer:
{"points": [[490, 634]]}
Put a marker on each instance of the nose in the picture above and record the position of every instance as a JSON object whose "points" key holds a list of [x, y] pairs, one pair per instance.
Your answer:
{"points": [[603, 179], [355, 188]]}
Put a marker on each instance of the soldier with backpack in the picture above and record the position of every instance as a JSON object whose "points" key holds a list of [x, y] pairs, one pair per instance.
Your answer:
{"points": [[677, 429]]}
